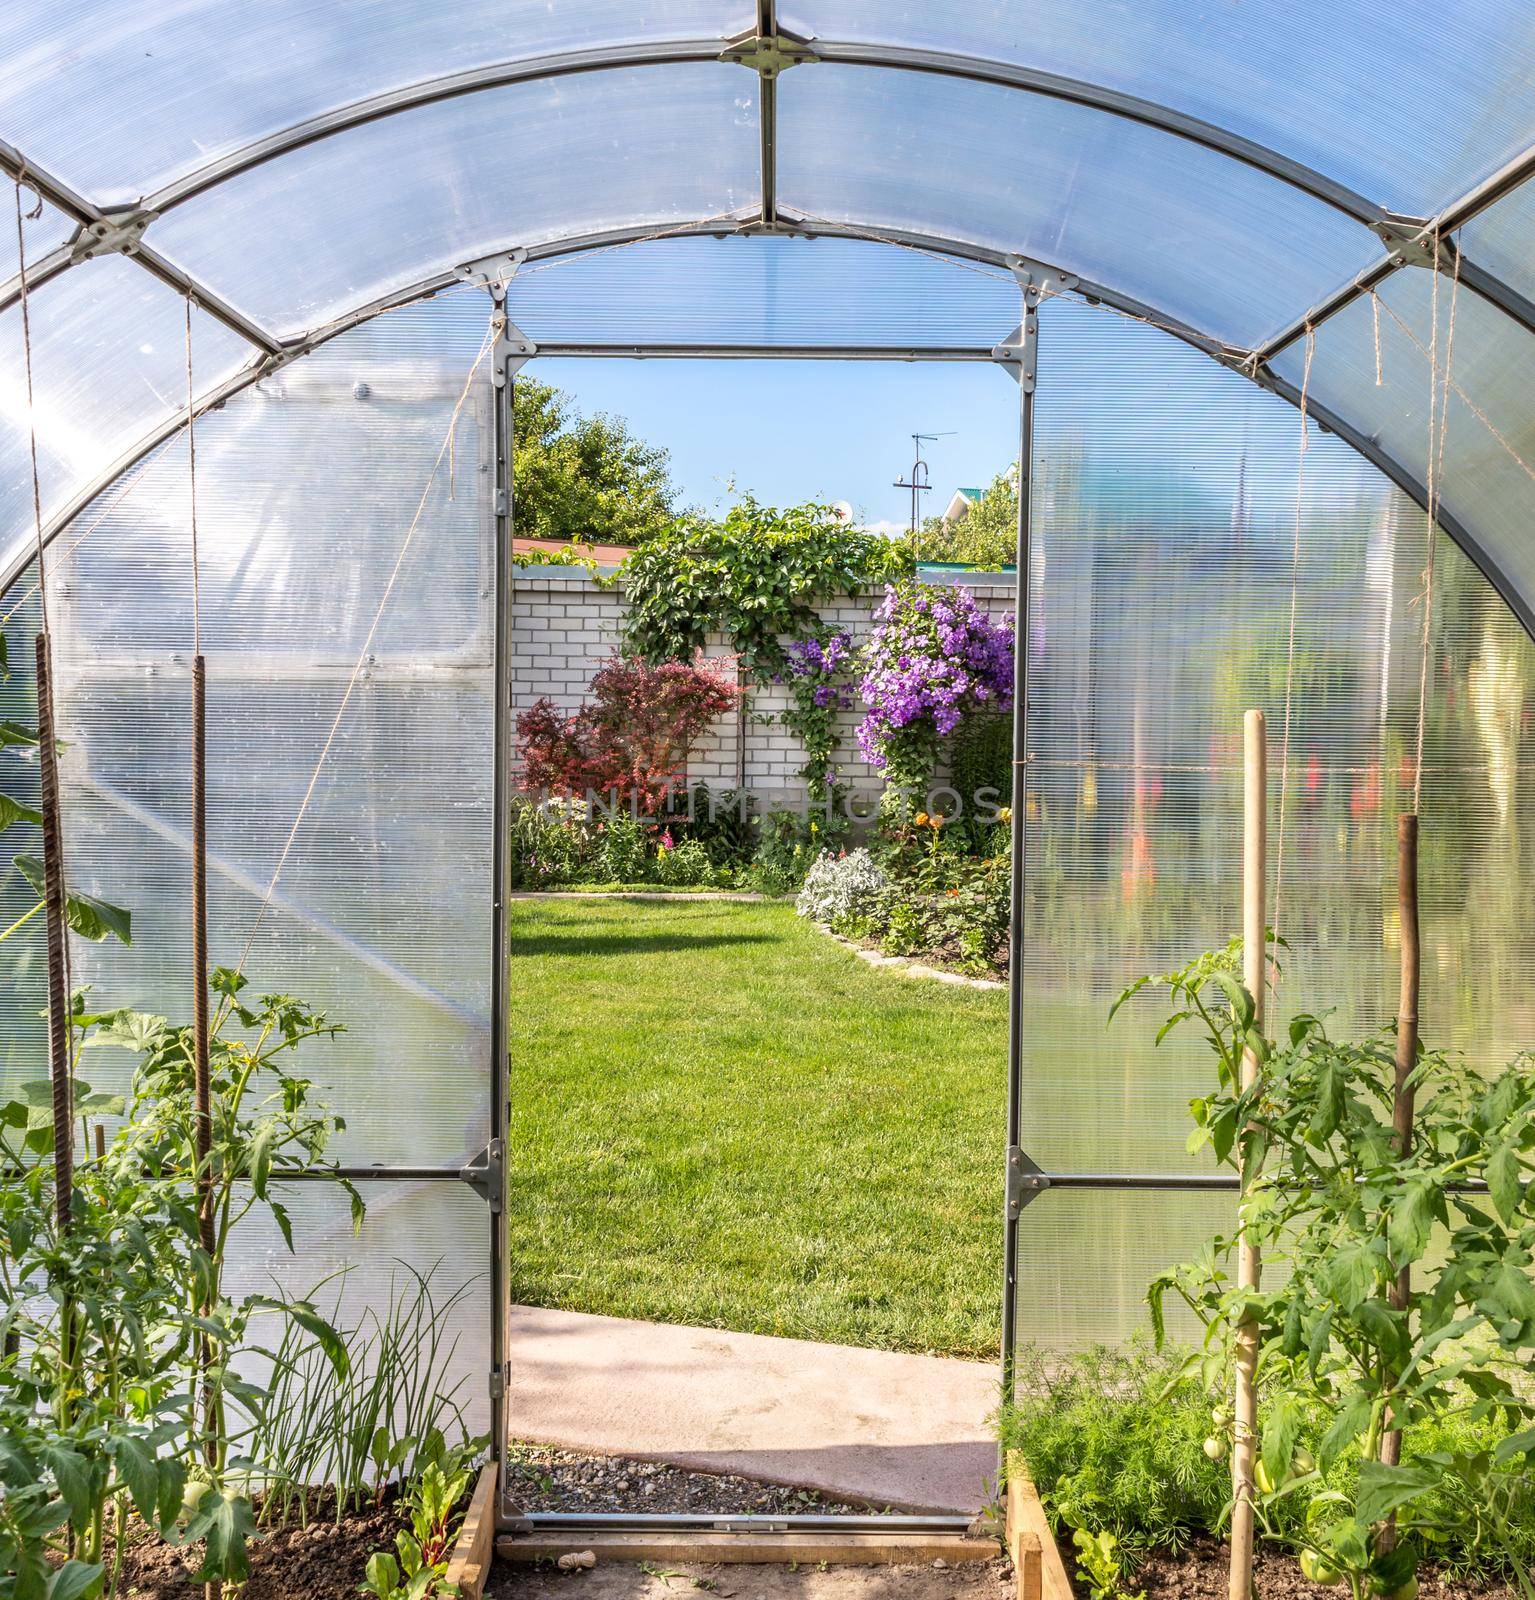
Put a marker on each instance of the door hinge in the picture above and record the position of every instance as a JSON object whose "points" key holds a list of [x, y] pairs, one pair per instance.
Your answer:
{"points": [[1025, 1181]]}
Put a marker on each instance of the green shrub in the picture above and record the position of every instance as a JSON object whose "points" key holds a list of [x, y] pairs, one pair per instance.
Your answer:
{"points": [[1114, 1441], [685, 866]]}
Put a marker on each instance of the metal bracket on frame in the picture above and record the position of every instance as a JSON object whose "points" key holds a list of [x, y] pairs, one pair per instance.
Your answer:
{"points": [[485, 1174], [768, 54], [513, 350], [1026, 1181], [492, 272], [114, 233], [1017, 351], [1036, 275], [1410, 242]]}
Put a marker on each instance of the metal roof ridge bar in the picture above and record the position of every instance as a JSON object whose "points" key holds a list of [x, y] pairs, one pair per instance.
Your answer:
{"points": [[767, 50], [1235, 359], [679, 350], [102, 232]]}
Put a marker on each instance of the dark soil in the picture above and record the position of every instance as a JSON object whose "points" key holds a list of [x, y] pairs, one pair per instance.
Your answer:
{"points": [[545, 1479], [1201, 1572], [321, 1561]]}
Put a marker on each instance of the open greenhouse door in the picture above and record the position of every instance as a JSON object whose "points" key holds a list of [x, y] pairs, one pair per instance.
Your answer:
{"points": [[591, 1083]]}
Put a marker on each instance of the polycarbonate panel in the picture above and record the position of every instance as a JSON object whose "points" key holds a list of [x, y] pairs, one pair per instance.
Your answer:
{"points": [[439, 1228], [120, 101], [1165, 521], [23, 1033], [381, 916], [1409, 103], [1502, 240], [352, 218], [1200, 238], [108, 366], [1486, 462], [1086, 1256], [756, 289]]}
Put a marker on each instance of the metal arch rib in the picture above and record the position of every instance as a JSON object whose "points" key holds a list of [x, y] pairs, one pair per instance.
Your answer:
{"points": [[1098, 97], [83, 212], [1283, 169], [1235, 360], [1520, 308]]}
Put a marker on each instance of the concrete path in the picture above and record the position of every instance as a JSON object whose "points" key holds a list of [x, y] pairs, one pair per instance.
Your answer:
{"points": [[908, 1432]]}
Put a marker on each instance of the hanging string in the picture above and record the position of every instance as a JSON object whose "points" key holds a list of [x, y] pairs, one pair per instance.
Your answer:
{"points": [[1438, 418], [1289, 670], [197, 636], [26, 349], [1375, 319], [492, 334], [55, 895]]}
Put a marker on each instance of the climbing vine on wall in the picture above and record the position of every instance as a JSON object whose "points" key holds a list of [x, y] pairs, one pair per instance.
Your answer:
{"points": [[756, 577]]}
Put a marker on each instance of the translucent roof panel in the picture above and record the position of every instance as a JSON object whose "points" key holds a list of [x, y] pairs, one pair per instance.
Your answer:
{"points": [[1486, 465], [1202, 238], [122, 99], [1502, 240], [1407, 102], [763, 289], [108, 367], [354, 217]]}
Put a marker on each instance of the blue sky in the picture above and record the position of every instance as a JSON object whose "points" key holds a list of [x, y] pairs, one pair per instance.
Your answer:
{"points": [[803, 430]]}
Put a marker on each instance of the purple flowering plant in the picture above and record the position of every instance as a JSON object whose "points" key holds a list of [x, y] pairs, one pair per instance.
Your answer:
{"points": [[934, 657], [817, 672]]}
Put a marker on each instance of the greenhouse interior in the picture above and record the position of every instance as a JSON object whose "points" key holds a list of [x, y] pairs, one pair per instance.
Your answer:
{"points": [[555, 1036]]}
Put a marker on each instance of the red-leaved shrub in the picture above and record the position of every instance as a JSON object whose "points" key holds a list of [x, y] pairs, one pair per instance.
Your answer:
{"points": [[630, 742]]}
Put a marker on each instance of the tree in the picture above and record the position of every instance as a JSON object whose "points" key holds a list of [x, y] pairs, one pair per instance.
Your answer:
{"points": [[986, 536], [584, 477]]}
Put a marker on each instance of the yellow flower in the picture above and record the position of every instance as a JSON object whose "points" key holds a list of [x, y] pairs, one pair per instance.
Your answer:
{"points": [[1005, 814], [922, 819]]}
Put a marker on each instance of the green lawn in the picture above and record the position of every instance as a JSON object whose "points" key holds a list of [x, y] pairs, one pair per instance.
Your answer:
{"points": [[721, 1117]]}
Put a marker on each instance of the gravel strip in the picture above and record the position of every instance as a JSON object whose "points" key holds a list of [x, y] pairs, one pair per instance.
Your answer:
{"points": [[545, 1479]]}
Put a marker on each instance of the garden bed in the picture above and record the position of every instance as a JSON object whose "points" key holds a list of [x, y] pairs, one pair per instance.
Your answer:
{"points": [[321, 1558], [1202, 1571]]}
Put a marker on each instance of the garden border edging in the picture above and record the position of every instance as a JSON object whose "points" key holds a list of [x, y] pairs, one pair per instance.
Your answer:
{"points": [[908, 964], [1026, 1525], [469, 1564]]}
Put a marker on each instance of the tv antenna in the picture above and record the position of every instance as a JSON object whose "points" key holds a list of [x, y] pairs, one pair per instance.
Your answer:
{"points": [[920, 481]]}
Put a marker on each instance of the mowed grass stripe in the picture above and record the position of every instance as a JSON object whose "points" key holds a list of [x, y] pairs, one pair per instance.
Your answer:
{"points": [[720, 1117]]}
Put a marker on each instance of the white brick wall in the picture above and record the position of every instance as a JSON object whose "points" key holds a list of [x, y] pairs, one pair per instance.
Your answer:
{"points": [[565, 625]]}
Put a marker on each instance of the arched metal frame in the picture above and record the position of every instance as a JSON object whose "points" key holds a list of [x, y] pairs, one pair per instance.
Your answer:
{"points": [[274, 356], [768, 51], [1422, 242]]}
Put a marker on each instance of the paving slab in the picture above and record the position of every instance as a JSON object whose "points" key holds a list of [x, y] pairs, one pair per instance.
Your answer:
{"points": [[913, 1433]]}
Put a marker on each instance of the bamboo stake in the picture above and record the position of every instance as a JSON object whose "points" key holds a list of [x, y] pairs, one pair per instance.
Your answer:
{"points": [[1404, 1091], [1249, 1265]]}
